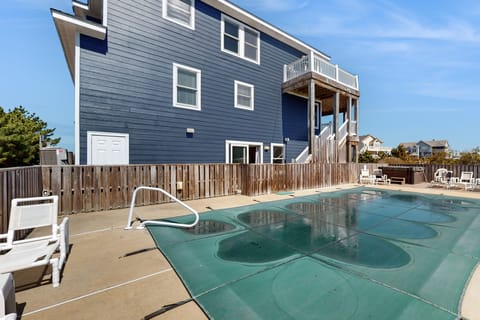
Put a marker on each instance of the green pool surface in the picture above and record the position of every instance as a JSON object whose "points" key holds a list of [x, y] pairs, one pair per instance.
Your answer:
{"points": [[354, 254]]}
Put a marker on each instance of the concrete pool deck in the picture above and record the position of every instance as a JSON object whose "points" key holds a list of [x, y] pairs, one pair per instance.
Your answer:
{"points": [[101, 281]]}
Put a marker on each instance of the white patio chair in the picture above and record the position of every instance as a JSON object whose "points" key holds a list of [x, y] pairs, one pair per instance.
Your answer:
{"points": [[30, 213], [442, 178], [8, 306], [381, 178], [466, 180], [366, 177], [476, 184]]}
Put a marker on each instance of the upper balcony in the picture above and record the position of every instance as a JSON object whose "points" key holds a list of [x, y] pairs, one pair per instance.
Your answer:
{"points": [[318, 68]]}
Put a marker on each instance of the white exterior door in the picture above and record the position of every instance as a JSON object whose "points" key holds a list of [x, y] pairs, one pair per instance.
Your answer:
{"points": [[243, 152], [107, 148]]}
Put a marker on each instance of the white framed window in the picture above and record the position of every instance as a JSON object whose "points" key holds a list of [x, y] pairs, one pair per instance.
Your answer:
{"points": [[277, 153], [240, 40], [186, 87], [180, 11], [244, 95], [243, 152]]}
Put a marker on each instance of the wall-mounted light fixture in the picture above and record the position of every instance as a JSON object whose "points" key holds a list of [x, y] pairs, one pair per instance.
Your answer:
{"points": [[266, 148], [286, 139], [189, 133]]}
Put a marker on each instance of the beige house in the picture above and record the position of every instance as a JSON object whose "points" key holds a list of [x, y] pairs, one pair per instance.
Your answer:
{"points": [[372, 145]]}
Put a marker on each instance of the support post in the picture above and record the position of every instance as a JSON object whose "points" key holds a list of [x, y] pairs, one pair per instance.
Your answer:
{"points": [[349, 114], [349, 126], [356, 113], [336, 107], [356, 126], [311, 117], [320, 116]]}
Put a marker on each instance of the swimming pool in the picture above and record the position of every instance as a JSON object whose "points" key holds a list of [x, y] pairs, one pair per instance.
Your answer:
{"points": [[352, 254]]}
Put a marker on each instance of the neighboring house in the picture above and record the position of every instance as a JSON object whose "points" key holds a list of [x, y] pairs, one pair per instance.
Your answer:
{"points": [[425, 148], [372, 145], [179, 81], [411, 148]]}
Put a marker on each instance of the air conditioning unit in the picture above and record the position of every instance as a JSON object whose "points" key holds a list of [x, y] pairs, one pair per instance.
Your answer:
{"points": [[53, 156]]}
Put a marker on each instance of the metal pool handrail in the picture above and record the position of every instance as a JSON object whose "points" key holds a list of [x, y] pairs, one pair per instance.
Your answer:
{"points": [[162, 223]]}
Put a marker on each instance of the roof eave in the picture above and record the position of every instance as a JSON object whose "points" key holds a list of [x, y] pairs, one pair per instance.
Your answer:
{"points": [[67, 28]]}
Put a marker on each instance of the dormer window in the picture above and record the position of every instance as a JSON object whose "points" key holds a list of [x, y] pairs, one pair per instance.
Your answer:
{"points": [[180, 11]]}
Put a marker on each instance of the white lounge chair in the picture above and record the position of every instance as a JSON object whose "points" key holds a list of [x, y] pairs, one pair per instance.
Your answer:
{"points": [[8, 306], [30, 213], [381, 178], [466, 180], [442, 178], [366, 177], [476, 184]]}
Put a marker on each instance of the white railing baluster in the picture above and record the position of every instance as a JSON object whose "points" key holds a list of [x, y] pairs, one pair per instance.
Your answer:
{"points": [[311, 61]]}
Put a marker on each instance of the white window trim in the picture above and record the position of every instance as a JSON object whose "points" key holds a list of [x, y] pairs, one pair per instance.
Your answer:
{"points": [[252, 101], [109, 134], [241, 40], [197, 107], [277, 145], [230, 143], [192, 15]]}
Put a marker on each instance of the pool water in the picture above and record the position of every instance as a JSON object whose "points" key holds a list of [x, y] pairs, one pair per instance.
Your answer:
{"points": [[353, 254]]}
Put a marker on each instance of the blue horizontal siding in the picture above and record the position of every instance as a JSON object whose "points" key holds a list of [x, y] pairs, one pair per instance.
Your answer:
{"points": [[126, 87]]}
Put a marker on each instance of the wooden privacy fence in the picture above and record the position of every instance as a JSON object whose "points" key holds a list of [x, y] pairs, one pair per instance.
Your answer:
{"points": [[17, 183], [267, 178], [95, 188]]}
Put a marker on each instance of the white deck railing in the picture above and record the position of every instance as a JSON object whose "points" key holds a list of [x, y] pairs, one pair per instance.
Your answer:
{"points": [[353, 128], [314, 63], [327, 131], [343, 132], [379, 149], [303, 156]]}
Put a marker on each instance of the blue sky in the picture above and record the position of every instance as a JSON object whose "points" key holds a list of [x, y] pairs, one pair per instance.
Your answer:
{"points": [[418, 61]]}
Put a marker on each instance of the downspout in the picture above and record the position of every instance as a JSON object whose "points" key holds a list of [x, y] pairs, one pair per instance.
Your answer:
{"points": [[77, 98]]}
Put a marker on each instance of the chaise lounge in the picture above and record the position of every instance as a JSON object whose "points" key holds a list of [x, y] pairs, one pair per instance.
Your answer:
{"points": [[30, 213]]}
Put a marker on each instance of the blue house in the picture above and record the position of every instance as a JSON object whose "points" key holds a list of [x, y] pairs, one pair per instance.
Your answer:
{"points": [[201, 81]]}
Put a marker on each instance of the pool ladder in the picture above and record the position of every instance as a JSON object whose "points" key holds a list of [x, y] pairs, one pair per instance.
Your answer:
{"points": [[155, 222]]}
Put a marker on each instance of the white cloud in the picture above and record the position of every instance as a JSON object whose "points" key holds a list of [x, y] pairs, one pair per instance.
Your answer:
{"points": [[381, 19]]}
